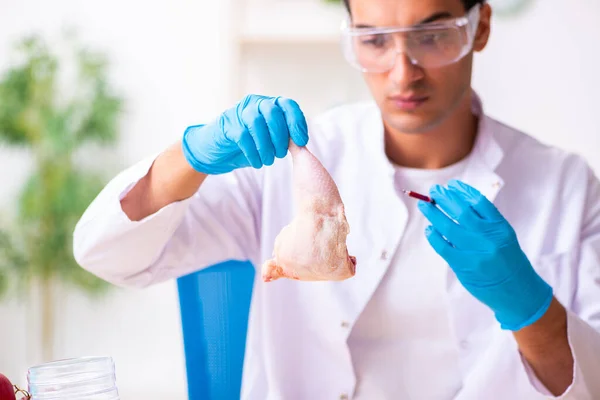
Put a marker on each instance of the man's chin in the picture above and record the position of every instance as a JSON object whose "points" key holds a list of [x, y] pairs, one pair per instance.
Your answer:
{"points": [[411, 124]]}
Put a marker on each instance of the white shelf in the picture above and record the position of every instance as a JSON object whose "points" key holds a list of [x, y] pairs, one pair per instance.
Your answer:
{"points": [[291, 48], [294, 21]]}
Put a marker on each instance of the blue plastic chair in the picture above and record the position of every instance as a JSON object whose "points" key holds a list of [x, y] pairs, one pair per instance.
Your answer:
{"points": [[215, 304]]}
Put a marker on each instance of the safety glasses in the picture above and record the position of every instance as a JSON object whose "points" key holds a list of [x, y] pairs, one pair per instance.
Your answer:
{"points": [[430, 45]]}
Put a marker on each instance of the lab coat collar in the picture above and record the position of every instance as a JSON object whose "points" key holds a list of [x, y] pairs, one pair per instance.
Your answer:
{"points": [[486, 147], [485, 156]]}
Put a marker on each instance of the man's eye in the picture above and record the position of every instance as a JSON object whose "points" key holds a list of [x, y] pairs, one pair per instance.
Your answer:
{"points": [[374, 40], [432, 39], [428, 39]]}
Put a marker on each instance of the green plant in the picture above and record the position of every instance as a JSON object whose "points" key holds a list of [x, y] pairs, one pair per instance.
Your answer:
{"points": [[53, 121]]}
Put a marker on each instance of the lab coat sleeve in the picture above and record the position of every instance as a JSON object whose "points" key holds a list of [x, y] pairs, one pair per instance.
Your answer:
{"points": [[218, 223], [583, 318]]}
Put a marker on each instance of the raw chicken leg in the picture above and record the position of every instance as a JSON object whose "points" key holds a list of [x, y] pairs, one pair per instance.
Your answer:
{"points": [[313, 246]]}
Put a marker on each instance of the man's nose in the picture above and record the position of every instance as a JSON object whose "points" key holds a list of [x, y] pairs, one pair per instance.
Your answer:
{"points": [[404, 71]]}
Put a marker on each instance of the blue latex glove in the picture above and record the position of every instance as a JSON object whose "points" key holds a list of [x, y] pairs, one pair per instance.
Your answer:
{"points": [[482, 249], [252, 133]]}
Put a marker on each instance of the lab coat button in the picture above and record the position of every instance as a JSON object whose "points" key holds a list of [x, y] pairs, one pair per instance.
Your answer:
{"points": [[383, 255], [464, 344], [344, 397], [496, 185], [345, 324]]}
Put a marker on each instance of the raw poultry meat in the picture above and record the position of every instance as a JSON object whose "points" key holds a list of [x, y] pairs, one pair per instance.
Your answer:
{"points": [[313, 246]]}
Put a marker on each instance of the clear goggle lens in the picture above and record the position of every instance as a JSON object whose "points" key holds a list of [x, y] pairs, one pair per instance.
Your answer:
{"points": [[429, 46]]}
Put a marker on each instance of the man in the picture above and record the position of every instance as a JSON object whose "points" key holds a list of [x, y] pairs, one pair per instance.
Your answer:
{"points": [[462, 299]]}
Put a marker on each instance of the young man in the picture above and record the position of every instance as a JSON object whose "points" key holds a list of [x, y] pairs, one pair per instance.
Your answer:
{"points": [[444, 305]]}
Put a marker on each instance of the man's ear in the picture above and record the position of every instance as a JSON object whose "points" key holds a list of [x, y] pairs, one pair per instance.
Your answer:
{"points": [[483, 30]]}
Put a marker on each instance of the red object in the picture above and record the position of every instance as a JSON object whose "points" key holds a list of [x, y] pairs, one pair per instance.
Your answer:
{"points": [[419, 196], [7, 390]]}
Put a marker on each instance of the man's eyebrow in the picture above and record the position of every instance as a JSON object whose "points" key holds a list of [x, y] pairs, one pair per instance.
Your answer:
{"points": [[432, 18], [435, 17]]}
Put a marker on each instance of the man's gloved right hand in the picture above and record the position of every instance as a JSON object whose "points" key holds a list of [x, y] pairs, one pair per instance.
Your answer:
{"points": [[252, 133]]}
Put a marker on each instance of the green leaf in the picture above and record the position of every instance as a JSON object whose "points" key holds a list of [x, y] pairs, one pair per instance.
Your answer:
{"points": [[99, 122], [12, 261], [14, 91], [3, 283], [27, 92]]}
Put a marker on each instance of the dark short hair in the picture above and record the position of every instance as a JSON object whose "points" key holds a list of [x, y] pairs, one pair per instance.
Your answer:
{"points": [[468, 3]]}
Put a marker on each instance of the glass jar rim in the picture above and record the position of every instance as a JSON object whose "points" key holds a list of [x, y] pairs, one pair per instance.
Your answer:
{"points": [[70, 362], [70, 366]]}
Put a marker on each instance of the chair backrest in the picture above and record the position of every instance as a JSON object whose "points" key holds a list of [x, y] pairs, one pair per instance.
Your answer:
{"points": [[215, 304]]}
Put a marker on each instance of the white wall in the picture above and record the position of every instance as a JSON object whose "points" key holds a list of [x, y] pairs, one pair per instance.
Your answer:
{"points": [[540, 73], [172, 59]]}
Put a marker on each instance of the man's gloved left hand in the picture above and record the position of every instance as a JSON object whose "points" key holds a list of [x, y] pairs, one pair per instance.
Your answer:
{"points": [[482, 249]]}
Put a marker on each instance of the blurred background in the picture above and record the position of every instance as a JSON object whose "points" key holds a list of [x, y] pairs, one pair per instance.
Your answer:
{"points": [[150, 69]]}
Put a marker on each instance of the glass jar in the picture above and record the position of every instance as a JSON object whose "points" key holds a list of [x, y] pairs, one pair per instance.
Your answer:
{"points": [[87, 378]]}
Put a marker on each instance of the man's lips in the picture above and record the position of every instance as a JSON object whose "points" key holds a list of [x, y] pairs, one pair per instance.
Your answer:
{"points": [[409, 102]]}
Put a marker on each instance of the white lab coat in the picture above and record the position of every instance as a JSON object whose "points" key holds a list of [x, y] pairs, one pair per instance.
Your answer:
{"points": [[296, 346]]}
